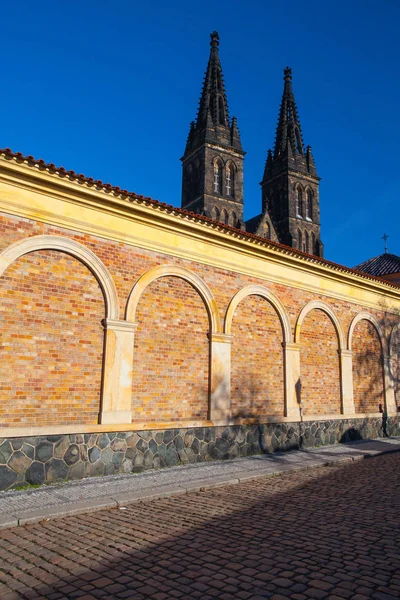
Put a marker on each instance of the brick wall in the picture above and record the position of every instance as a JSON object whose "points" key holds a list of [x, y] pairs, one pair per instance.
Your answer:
{"points": [[257, 360], [320, 371], [367, 368], [171, 355], [51, 341], [170, 376], [395, 365]]}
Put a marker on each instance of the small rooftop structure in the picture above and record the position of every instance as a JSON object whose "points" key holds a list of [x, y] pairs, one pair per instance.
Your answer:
{"points": [[386, 266]]}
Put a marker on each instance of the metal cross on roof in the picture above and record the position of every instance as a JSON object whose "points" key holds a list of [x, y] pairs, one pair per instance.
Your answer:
{"points": [[385, 237]]}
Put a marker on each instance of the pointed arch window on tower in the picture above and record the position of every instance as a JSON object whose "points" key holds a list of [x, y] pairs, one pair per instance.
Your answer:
{"points": [[224, 218], [309, 212], [215, 213], [229, 180], [299, 198], [306, 242], [299, 240], [217, 177], [312, 243]]}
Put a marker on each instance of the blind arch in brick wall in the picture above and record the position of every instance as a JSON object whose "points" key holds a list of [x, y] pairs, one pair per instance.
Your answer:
{"points": [[174, 271], [259, 290], [317, 304], [74, 249], [392, 338], [364, 316]]}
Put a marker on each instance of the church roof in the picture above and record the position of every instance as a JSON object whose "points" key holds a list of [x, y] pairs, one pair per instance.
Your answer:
{"points": [[379, 266]]}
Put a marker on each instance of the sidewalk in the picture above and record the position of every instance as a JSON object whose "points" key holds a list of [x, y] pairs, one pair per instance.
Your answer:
{"points": [[20, 507]]}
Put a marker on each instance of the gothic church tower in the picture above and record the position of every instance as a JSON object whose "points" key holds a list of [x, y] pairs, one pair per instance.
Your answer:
{"points": [[212, 182], [290, 185]]}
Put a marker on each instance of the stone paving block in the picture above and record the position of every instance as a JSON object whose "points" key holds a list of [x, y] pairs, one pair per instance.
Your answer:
{"points": [[75, 508], [150, 494], [251, 476], [211, 482], [7, 521]]}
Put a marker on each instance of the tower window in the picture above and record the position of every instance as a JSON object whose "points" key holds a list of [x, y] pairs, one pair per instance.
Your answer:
{"points": [[309, 205], [306, 242], [233, 219], [229, 181], [300, 202], [299, 240], [217, 177], [215, 213]]}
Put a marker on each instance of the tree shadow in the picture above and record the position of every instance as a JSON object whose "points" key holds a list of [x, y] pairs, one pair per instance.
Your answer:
{"points": [[365, 362], [247, 397]]}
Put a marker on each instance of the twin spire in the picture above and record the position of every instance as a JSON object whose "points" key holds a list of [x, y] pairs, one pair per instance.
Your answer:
{"points": [[212, 182], [212, 121], [213, 104], [213, 111], [288, 138]]}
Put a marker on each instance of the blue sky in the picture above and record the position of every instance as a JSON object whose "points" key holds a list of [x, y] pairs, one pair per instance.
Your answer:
{"points": [[109, 89]]}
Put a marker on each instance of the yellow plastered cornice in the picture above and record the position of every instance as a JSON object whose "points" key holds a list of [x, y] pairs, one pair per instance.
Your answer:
{"points": [[35, 193]]}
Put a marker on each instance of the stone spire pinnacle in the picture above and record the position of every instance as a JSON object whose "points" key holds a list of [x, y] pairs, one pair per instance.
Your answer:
{"points": [[213, 96], [212, 121], [289, 139], [212, 164]]}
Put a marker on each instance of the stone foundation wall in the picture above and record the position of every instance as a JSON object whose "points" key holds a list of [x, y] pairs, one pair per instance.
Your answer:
{"points": [[47, 459]]}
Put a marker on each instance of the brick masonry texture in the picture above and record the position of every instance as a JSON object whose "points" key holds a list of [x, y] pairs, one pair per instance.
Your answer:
{"points": [[51, 335], [320, 370], [367, 368], [48, 459], [51, 308], [257, 388], [170, 379], [395, 366]]}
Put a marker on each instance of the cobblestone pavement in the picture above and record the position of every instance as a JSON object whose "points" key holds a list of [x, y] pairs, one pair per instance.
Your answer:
{"points": [[329, 533]]}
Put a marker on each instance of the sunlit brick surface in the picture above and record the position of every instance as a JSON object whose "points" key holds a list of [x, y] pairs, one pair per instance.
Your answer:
{"points": [[395, 365], [320, 375], [257, 360], [51, 339], [367, 368], [170, 379], [323, 534], [171, 359]]}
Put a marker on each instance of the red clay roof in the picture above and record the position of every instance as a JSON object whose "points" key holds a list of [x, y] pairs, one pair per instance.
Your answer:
{"points": [[107, 187]]}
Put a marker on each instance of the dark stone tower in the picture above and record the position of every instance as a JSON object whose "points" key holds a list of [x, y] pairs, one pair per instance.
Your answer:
{"points": [[290, 186], [213, 161]]}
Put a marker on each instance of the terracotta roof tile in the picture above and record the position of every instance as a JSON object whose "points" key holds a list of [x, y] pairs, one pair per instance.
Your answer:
{"points": [[132, 196], [384, 264]]}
